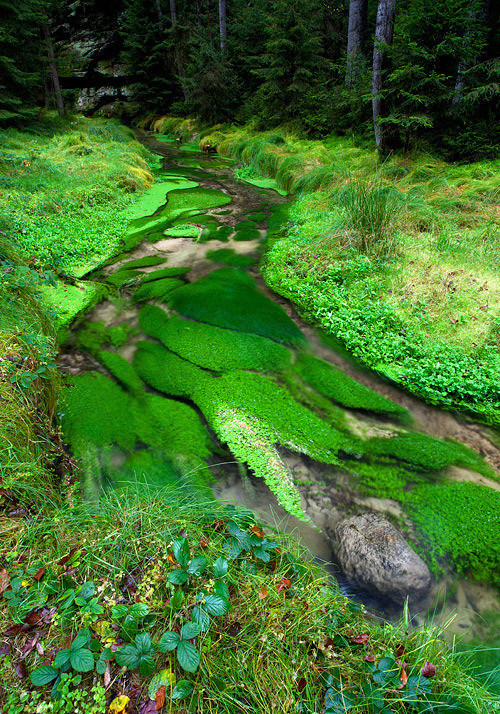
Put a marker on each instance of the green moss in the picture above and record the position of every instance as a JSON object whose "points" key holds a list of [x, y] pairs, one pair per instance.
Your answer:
{"points": [[121, 370], [165, 371], [229, 298], [213, 347], [243, 225], [460, 522], [122, 277], [156, 196], [426, 453], [96, 410], [70, 301], [165, 273], [118, 335], [227, 256], [145, 262], [193, 199], [156, 290], [247, 234], [183, 230], [336, 385], [257, 217], [172, 427], [384, 480]]}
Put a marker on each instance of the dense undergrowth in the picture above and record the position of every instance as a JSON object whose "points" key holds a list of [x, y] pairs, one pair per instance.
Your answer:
{"points": [[397, 261]]}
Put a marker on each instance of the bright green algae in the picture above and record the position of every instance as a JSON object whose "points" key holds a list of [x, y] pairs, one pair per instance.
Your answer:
{"points": [[156, 196], [213, 347], [229, 298]]}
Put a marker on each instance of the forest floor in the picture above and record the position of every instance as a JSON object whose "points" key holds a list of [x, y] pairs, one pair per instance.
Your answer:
{"points": [[78, 579]]}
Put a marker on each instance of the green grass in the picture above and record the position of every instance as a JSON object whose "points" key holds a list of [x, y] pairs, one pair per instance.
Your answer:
{"points": [[229, 298], [63, 190]]}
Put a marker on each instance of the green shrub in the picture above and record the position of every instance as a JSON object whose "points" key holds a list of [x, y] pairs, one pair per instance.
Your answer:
{"points": [[213, 347], [339, 387], [231, 300]]}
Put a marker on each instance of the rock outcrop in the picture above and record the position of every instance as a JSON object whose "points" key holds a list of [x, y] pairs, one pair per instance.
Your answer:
{"points": [[374, 554]]}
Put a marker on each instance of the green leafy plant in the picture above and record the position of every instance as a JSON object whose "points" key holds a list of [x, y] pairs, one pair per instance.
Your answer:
{"points": [[187, 654], [138, 655]]}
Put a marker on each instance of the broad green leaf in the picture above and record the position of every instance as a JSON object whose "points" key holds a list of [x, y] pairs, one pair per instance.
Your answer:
{"points": [[143, 643], [107, 654], [79, 642], [201, 618], [262, 554], [221, 589], [176, 600], [190, 630], [129, 628], [182, 689], [100, 666], [61, 658], [188, 656], [177, 577], [147, 665], [86, 590], [139, 610], [197, 566], [43, 675], [119, 611], [233, 548], [220, 567], [165, 678], [168, 641], [128, 656], [180, 549], [235, 531], [216, 605], [82, 660]]}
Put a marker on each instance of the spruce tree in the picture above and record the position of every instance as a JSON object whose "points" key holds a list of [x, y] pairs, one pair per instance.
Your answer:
{"points": [[21, 71]]}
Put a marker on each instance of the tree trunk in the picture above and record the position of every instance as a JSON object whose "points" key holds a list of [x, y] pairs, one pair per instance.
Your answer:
{"points": [[160, 15], [355, 39], [177, 54], [199, 11], [384, 33], [223, 24], [56, 86], [476, 28]]}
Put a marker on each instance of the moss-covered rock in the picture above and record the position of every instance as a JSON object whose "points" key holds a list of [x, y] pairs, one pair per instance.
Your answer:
{"points": [[156, 289]]}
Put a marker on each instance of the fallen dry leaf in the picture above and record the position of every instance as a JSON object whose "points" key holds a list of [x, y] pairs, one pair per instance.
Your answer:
{"points": [[361, 638], [39, 574], [4, 581], [284, 584], [262, 593], [428, 670], [160, 697], [119, 705]]}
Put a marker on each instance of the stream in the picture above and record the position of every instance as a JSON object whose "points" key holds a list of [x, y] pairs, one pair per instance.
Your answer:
{"points": [[182, 239]]}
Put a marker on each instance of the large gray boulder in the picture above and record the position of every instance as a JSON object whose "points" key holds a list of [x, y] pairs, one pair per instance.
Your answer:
{"points": [[374, 554]]}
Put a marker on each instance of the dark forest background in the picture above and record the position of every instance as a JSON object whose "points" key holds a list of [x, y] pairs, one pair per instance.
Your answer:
{"points": [[412, 73]]}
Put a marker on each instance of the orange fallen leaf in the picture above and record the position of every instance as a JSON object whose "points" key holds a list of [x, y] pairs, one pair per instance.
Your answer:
{"points": [[4, 581], [160, 697], [262, 593], [284, 584], [255, 529], [361, 638], [428, 670]]}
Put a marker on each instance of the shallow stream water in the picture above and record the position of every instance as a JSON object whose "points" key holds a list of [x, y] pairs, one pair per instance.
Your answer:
{"points": [[328, 494]]}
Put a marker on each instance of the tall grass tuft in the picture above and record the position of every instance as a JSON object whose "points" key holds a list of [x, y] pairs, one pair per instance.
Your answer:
{"points": [[371, 210]]}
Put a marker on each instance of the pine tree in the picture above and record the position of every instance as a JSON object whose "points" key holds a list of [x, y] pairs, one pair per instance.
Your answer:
{"points": [[293, 66], [21, 71]]}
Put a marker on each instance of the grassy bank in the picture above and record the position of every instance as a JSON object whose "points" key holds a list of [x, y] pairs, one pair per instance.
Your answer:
{"points": [[398, 262]]}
